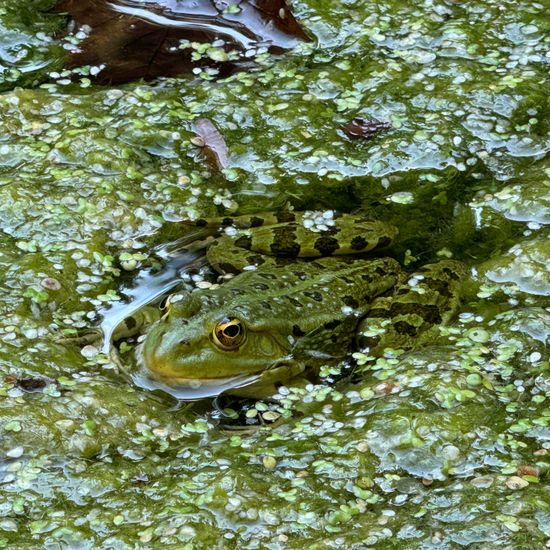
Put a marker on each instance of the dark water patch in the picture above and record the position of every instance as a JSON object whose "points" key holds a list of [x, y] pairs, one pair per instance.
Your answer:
{"points": [[127, 40]]}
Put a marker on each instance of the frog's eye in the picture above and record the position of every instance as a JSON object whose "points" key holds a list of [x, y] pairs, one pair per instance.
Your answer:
{"points": [[229, 334]]}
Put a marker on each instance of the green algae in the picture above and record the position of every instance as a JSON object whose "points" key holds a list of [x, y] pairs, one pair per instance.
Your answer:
{"points": [[415, 451]]}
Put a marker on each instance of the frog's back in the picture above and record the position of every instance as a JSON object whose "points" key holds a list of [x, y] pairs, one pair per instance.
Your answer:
{"points": [[307, 302]]}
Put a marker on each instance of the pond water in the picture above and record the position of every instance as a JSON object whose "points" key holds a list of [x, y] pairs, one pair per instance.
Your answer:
{"points": [[443, 447]]}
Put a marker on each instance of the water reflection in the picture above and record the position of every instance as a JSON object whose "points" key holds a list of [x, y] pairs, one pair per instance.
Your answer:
{"points": [[151, 284]]}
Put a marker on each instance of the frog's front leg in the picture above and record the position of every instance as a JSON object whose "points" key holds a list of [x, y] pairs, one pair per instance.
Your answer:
{"points": [[130, 326], [428, 299]]}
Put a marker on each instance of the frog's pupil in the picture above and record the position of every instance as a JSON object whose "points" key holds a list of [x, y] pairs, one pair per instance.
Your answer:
{"points": [[232, 331]]}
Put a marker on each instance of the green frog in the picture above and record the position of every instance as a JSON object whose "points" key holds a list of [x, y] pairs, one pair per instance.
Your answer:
{"points": [[303, 294]]}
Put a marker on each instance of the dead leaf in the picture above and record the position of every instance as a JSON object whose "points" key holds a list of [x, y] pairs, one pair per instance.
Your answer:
{"points": [[364, 128], [131, 39], [212, 142]]}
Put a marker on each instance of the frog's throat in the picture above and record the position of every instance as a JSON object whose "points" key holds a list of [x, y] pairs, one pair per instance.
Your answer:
{"points": [[264, 383]]}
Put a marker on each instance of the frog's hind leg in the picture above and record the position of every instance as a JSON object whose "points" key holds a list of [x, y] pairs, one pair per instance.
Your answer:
{"points": [[429, 298]]}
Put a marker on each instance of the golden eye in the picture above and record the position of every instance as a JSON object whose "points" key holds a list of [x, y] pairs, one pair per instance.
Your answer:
{"points": [[229, 334]]}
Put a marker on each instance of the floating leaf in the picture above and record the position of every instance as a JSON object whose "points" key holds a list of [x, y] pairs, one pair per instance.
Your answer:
{"points": [[214, 146], [364, 128], [123, 40]]}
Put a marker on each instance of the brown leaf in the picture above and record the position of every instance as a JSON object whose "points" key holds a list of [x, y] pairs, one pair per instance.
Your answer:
{"points": [[364, 128], [133, 39], [214, 146]]}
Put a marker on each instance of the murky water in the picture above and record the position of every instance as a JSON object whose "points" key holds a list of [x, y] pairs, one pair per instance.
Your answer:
{"points": [[438, 448]]}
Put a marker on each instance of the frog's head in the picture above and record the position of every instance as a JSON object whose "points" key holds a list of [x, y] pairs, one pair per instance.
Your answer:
{"points": [[210, 346]]}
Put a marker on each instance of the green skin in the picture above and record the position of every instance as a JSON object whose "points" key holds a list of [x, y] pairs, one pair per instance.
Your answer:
{"points": [[295, 315]]}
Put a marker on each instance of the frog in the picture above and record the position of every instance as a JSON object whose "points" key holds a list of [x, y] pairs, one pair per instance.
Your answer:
{"points": [[295, 295]]}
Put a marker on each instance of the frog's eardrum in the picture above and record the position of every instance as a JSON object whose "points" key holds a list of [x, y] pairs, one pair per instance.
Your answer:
{"points": [[132, 39]]}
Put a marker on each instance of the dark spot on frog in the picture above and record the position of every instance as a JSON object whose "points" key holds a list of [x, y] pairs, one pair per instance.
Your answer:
{"points": [[346, 280], [332, 324], [383, 242], [201, 223], [358, 243], [245, 241], [281, 261], [284, 244], [256, 222], [237, 291], [300, 274], [226, 222], [286, 216], [265, 305], [326, 245], [292, 300], [350, 301], [318, 265], [314, 295], [402, 327], [441, 287], [130, 323], [261, 286], [268, 276], [297, 331]]}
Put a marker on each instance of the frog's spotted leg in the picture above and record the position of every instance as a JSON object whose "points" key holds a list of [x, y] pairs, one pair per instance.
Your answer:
{"points": [[429, 298], [283, 241]]}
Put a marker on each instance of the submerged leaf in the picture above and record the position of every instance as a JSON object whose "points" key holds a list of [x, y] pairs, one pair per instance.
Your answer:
{"points": [[124, 40]]}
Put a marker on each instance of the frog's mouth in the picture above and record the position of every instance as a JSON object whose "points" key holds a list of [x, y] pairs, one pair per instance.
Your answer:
{"points": [[193, 389]]}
